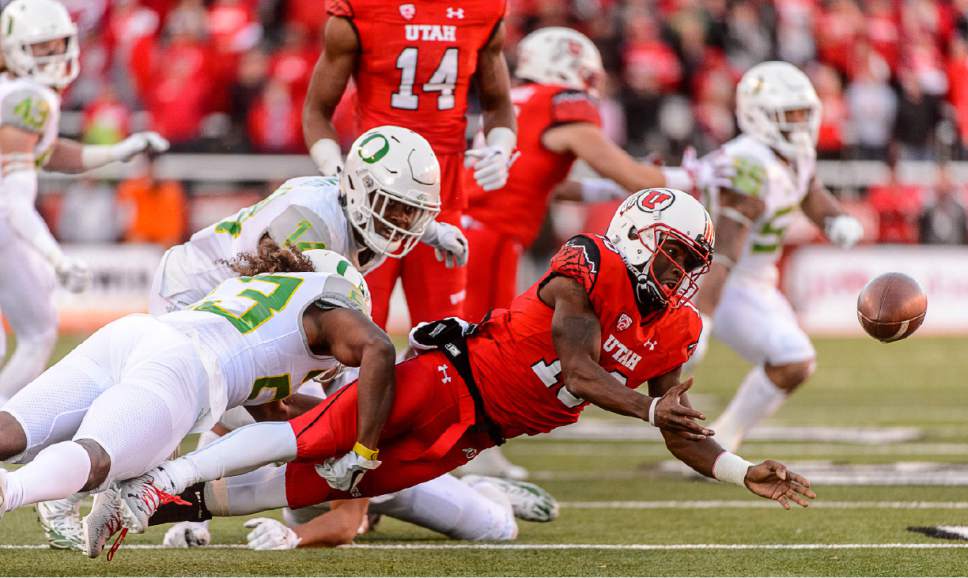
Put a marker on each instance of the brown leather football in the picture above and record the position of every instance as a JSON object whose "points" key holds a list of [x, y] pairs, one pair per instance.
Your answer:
{"points": [[891, 307]]}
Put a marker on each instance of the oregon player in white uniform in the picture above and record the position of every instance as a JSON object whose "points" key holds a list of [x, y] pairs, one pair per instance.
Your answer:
{"points": [[251, 341], [379, 207], [775, 158], [38, 42]]}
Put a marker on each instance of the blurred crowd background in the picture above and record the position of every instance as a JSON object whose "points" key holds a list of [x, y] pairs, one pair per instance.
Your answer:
{"points": [[229, 76]]}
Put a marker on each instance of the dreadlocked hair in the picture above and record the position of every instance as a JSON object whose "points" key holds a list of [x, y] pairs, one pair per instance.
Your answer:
{"points": [[270, 258]]}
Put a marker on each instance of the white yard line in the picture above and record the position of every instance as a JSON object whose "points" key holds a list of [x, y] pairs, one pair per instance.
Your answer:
{"points": [[512, 546], [758, 504]]}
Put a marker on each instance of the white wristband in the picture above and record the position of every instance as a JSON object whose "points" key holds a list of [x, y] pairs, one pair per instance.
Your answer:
{"points": [[677, 178], [655, 402], [503, 138], [93, 156], [596, 190], [731, 468]]}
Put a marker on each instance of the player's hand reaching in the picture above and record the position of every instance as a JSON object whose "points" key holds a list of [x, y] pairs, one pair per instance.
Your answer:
{"points": [[843, 230], [73, 274], [346, 472], [269, 534], [449, 243], [772, 480], [148, 142], [709, 173], [669, 414], [187, 535]]}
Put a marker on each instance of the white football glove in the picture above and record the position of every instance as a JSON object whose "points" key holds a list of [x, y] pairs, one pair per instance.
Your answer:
{"points": [[711, 172], [140, 142], [269, 534], [492, 161], [346, 472], [327, 156], [73, 274], [187, 535], [843, 230], [449, 243]]}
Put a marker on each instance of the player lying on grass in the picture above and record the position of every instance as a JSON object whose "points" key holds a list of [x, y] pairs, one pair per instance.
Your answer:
{"points": [[611, 313], [40, 54], [558, 76], [122, 401], [469, 508]]}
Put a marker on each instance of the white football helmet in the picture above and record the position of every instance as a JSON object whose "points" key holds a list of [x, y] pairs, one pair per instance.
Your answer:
{"points": [[24, 23], [390, 171], [641, 228], [325, 261], [766, 96], [559, 55]]}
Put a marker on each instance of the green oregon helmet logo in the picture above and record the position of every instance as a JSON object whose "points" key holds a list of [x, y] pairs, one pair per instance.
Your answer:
{"points": [[371, 153]]}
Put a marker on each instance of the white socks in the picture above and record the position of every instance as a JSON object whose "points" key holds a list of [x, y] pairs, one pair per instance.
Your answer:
{"points": [[756, 398], [238, 452], [257, 491], [57, 472]]}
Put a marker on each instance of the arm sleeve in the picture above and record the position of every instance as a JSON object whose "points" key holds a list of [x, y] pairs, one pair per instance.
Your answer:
{"points": [[750, 178], [340, 293], [578, 259], [570, 106], [27, 109]]}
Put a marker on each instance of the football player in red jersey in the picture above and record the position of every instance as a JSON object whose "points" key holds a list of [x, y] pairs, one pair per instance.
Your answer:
{"points": [[611, 313], [558, 73], [412, 64]]}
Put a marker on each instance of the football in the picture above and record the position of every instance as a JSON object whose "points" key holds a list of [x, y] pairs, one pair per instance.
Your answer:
{"points": [[891, 307]]}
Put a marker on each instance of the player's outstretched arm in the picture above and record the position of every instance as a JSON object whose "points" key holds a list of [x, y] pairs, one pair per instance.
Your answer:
{"points": [[70, 156], [577, 336], [821, 207], [494, 82], [770, 479], [337, 527], [355, 341], [326, 86]]}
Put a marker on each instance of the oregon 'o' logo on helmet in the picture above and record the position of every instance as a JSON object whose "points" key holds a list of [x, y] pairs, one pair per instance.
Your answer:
{"points": [[374, 148]]}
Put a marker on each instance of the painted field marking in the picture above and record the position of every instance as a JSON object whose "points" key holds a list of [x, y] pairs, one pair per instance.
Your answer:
{"points": [[478, 546], [758, 505]]}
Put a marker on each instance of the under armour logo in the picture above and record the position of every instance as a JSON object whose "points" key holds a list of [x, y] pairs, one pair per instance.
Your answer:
{"points": [[443, 370], [651, 344], [455, 13], [470, 453]]}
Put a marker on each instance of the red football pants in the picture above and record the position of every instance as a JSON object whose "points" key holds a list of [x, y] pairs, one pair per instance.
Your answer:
{"points": [[428, 433], [492, 271], [433, 291]]}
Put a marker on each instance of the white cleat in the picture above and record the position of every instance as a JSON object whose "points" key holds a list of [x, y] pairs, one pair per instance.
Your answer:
{"points": [[142, 496], [105, 520], [491, 462], [61, 521], [529, 501]]}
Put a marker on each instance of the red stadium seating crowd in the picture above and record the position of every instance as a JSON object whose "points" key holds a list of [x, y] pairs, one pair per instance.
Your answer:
{"points": [[230, 75]]}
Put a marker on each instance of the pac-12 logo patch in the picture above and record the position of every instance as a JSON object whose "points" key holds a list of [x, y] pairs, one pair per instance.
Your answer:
{"points": [[655, 200], [624, 322], [408, 11]]}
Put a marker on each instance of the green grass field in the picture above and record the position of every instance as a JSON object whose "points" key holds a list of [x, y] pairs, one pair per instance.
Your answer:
{"points": [[623, 514]]}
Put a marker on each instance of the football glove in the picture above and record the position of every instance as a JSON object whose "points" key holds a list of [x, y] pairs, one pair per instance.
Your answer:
{"points": [[327, 156], [449, 243], [269, 534], [843, 230], [345, 473], [709, 173], [427, 336], [140, 142], [73, 274], [492, 162], [187, 535]]}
